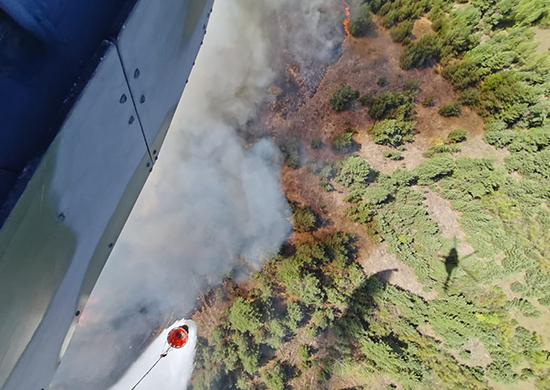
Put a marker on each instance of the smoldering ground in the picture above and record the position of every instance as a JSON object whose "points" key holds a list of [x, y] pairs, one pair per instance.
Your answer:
{"points": [[209, 199]]}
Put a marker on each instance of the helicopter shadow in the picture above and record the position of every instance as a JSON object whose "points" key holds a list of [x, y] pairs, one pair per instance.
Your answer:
{"points": [[452, 261]]}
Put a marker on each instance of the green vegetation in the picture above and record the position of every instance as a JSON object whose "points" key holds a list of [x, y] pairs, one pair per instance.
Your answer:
{"points": [[377, 326], [390, 105], [421, 53], [291, 153], [412, 85], [304, 219], [317, 143], [392, 155], [469, 97], [343, 143], [456, 136], [366, 100], [343, 97], [354, 170], [449, 145], [273, 377], [429, 101], [451, 110], [382, 81], [395, 113], [402, 32], [392, 132]]}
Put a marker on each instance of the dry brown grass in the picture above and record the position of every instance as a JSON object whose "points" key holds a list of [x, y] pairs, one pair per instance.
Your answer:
{"points": [[543, 37]]}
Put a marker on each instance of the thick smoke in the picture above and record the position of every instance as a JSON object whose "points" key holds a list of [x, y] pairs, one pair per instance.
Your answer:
{"points": [[210, 202]]}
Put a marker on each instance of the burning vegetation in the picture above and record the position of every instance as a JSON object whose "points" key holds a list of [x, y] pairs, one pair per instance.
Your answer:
{"points": [[347, 19]]}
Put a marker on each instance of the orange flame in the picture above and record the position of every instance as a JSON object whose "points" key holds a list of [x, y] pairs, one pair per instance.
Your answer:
{"points": [[346, 21]]}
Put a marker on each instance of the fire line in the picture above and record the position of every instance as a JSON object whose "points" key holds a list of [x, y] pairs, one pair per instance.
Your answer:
{"points": [[346, 21]]}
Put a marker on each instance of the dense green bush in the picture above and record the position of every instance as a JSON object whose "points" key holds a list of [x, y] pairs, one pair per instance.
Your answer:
{"points": [[497, 134], [429, 101], [243, 316], [354, 170], [304, 219], [469, 97], [390, 105], [402, 32], [435, 168], [451, 110], [418, 54], [456, 136], [366, 100], [343, 97], [462, 74], [382, 81], [343, 143], [376, 195], [392, 132], [524, 306], [273, 377], [304, 352]]}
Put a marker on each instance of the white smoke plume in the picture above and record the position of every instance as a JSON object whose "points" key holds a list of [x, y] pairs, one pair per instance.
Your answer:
{"points": [[209, 200]]}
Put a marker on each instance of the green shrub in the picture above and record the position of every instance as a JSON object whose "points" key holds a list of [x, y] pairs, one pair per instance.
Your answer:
{"points": [[392, 155], [343, 97], [524, 306], [354, 170], [342, 143], [462, 74], [366, 100], [403, 178], [451, 110], [516, 261], [376, 195], [243, 316], [304, 219], [273, 377], [392, 106], [412, 85], [402, 32], [418, 54], [469, 97], [294, 316], [435, 168], [445, 148], [429, 101], [316, 143], [382, 81], [499, 139], [392, 132], [456, 136], [304, 352], [501, 371]]}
